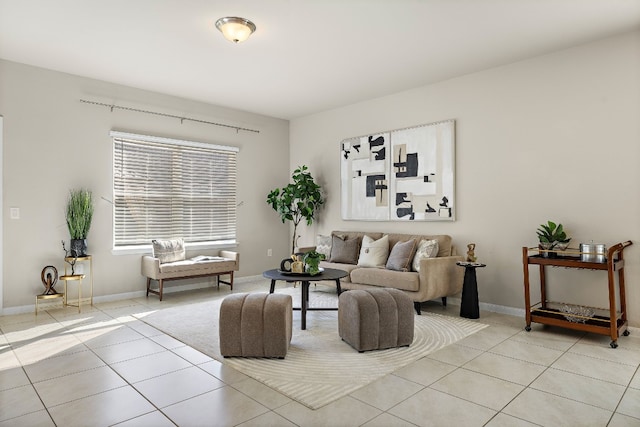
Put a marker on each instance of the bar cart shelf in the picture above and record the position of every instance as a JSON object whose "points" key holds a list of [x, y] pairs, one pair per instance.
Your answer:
{"points": [[605, 321]]}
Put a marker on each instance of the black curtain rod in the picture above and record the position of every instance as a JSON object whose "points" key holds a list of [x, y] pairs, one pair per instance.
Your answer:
{"points": [[182, 119]]}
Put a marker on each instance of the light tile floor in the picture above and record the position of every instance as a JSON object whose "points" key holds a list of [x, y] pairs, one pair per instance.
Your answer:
{"points": [[105, 367]]}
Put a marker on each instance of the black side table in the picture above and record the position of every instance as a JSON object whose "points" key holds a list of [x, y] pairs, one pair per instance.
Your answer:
{"points": [[469, 307]]}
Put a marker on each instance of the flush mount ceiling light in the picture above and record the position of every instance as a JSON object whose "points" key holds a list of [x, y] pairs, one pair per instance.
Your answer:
{"points": [[235, 29]]}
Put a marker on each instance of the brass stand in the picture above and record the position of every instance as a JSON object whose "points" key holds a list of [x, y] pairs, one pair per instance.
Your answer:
{"points": [[49, 296], [81, 259], [73, 277]]}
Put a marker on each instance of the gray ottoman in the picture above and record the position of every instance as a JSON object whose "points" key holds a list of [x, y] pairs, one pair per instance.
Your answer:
{"points": [[255, 325], [375, 319]]}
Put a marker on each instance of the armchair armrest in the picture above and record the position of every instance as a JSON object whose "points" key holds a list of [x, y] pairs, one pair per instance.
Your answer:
{"points": [[232, 255], [150, 266], [441, 276], [305, 249]]}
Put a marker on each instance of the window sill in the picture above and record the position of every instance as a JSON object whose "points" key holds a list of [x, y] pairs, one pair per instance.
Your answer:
{"points": [[147, 249]]}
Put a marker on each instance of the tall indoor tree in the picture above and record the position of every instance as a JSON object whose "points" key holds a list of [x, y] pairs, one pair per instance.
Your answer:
{"points": [[299, 200]]}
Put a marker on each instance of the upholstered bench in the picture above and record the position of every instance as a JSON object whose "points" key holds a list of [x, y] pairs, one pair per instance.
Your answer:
{"points": [[375, 319], [168, 262], [255, 325]]}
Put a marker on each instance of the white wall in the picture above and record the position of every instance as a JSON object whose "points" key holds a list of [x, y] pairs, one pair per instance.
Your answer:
{"points": [[555, 137], [53, 142]]}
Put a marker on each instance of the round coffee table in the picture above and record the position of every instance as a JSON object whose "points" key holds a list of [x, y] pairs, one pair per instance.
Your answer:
{"points": [[305, 279]]}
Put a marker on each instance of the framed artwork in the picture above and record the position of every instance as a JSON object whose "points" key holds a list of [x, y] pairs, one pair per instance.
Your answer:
{"points": [[400, 175]]}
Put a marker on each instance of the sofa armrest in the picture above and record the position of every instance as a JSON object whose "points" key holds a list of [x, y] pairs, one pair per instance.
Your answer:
{"points": [[232, 255], [441, 276], [150, 266], [305, 249]]}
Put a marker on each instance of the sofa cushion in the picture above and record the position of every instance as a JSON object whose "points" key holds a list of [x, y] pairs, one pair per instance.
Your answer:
{"points": [[189, 267], [345, 267], [426, 249], [344, 250], [401, 255], [374, 253], [323, 245], [445, 247], [406, 281], [168, 250]]}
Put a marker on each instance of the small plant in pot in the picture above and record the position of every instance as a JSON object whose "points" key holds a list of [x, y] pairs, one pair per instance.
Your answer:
{"points": [[312, 260], [79, 215], [552, 237]]}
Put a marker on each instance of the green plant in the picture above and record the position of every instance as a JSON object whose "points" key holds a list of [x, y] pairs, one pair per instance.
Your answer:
{"points": [[551, 234], [312, 259], [79, 213], [297, 201]]}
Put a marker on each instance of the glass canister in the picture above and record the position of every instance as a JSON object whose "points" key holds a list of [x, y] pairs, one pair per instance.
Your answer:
{"points": [[593, 252]]}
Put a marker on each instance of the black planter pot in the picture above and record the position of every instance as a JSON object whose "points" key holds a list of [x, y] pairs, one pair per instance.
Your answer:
{"points": [[78, 247]]}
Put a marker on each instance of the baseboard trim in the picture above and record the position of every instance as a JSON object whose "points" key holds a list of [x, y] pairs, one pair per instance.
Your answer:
{"points": [[494, 308], [168, 289]]}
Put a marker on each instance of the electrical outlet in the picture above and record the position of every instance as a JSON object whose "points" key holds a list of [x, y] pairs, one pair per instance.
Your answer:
{"points": [[269, 252], [14, 213]]}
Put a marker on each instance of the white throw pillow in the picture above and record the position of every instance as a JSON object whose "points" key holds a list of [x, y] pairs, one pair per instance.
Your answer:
{"points": [[323, 245], [374, 253], [168, 250], [426, 249]]}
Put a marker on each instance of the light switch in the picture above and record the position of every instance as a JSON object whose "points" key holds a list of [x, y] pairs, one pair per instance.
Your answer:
{"points": [[14, 213]]}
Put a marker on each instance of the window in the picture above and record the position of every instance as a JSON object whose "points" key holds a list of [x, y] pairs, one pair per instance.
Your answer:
{"points": [[165, 188]]}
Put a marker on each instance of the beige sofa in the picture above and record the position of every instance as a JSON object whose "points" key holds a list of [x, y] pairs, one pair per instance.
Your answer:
{"points": [[439, 277], [226, 263]]}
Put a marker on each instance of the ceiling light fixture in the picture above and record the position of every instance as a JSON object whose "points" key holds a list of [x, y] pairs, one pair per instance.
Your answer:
{"points": [[235, 29]]}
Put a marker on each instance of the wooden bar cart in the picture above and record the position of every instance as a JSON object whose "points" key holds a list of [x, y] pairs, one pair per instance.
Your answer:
{"points": [[606, 321]]}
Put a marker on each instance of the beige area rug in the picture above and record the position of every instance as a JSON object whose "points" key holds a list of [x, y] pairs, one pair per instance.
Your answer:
{"points": [[319, 367]]}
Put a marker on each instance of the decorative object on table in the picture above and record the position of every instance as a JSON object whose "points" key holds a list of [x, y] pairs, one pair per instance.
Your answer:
{"points": [[577, 313], [471, 255], [49, 277], [400, 175], [297, 201], [70, 257], [552, 238], [312, 261], [79, 215], [293, 264], [297, 266], [593, 252]]}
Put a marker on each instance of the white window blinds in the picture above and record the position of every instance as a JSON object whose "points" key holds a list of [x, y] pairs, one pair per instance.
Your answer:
{"points": [[165, 188]]}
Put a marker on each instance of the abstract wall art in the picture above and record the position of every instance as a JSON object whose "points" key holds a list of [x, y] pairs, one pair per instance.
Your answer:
{"points": [[400, 175]]}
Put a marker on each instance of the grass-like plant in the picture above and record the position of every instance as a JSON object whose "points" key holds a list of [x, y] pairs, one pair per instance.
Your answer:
{"points": [[79, 213]]}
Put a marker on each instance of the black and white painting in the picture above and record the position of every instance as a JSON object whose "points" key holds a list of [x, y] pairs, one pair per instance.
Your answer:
{"points": [[401, 175], [365, 177]]}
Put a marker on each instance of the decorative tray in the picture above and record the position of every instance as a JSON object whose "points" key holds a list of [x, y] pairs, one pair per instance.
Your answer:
{"points": [[291, 273], [470, 264]]}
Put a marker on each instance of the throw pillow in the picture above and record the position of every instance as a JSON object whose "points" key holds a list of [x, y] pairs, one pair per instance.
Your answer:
{"points": [[426, 249], [374, 253], [401, 256], [168, 250], [344, 251], [323, 245]]}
